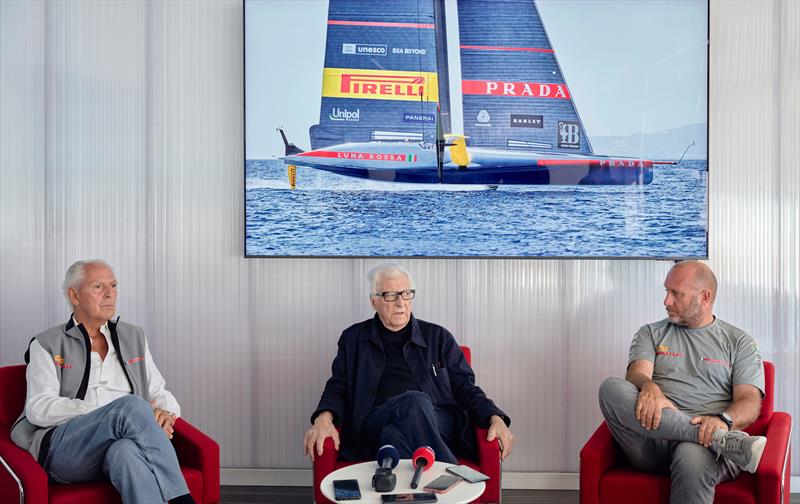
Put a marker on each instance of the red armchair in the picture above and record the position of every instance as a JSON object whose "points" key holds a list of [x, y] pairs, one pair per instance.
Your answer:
{"points": [[488, 461], [23, 478], [607, 477]]}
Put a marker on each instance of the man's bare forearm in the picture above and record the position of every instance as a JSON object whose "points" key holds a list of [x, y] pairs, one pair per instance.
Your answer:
{"points": [[638, 379], [744, 412]]}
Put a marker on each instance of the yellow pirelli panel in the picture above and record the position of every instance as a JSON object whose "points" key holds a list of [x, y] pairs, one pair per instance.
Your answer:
{"points": [[380, 84]]}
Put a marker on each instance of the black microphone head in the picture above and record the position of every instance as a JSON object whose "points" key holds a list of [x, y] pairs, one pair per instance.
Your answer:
{"points": [[388, 452]]}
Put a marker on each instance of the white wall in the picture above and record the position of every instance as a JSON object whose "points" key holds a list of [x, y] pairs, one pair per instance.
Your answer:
{"points": [[121, 138]]}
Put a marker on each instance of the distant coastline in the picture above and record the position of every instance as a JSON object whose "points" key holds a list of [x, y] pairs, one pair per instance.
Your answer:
{"points": [[668, 144]]}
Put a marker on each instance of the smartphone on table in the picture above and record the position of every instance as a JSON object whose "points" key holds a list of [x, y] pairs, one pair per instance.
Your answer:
{"points": [[467, 473], [409, 497], [346, 490], [442, 484]]}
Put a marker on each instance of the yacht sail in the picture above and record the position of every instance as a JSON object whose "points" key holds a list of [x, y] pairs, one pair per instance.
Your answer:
{"points": [[380, 78], [514, 94]]}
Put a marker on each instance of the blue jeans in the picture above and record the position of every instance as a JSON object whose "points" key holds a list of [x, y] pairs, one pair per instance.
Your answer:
{"points": [[671, 450], [408, 421], [122, 442]]}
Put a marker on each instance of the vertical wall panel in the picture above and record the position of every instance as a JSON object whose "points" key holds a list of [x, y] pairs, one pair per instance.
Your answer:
{"points": [[95, 145], [121, 137], [754, 181], [201, 299], [22, 175]]}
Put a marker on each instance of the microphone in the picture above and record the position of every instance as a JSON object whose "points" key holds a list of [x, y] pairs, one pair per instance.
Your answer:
{"points": [[384, 480], [422, 459]]}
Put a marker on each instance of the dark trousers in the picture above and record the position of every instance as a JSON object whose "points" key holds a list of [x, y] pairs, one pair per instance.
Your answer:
{"points": [[408, 421]]}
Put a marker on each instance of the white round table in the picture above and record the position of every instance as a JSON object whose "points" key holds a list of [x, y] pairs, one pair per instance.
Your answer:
{"points": [[462, 493]]}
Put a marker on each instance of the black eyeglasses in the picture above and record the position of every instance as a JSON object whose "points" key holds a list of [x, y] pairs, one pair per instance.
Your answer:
{"points": [[392, 296]]}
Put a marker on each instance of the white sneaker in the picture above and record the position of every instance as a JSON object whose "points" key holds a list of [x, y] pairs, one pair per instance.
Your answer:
{"points": [[740, 448]]}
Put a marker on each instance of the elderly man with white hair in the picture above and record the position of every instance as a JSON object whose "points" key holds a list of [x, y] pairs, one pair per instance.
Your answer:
{"points": [[96, 404], [402, 381]]}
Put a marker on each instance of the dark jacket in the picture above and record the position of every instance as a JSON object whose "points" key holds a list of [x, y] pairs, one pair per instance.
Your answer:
{"points": [[356, 372]]}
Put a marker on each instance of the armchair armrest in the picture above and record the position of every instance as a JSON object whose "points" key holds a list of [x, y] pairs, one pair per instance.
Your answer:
{"points": [[489, 461], [598, 455], [26, 469], [323, 465], [198, 451], [772, 471]]}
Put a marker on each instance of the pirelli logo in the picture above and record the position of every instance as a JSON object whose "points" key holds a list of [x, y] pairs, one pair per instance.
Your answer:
{"points": [[380, 85]]}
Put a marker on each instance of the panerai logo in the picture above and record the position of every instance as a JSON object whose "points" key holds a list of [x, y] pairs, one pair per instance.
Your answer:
{"points": [[340, 114]]}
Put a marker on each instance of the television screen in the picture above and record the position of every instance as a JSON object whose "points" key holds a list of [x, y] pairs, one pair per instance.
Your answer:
{"points": [[476, 128]]}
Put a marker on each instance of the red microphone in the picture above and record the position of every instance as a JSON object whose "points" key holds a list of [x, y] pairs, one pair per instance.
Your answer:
{"points": [[423, 460]]}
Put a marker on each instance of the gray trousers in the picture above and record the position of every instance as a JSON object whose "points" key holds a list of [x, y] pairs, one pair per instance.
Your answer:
{"points": [[671, 450]]}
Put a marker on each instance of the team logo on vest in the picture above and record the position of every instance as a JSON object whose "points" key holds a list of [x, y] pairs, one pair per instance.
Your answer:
{"points": [[569, 135], [341, 114], [60, 362]]}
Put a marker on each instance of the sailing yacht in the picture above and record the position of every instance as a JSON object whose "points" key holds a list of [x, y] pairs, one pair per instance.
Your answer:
{"points": [[387, 89]]}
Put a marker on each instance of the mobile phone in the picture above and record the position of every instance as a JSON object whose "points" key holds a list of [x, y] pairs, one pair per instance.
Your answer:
{"points": [[442, 484], [467, 473], [346, 490], [409, 497]]}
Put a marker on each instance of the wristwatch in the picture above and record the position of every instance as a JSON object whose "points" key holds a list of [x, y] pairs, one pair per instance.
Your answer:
{"points": [[727, 419]]}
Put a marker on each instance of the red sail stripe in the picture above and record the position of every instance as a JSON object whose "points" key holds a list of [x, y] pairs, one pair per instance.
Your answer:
{"points": [[500, 48], [384, 24], [515, 89]]}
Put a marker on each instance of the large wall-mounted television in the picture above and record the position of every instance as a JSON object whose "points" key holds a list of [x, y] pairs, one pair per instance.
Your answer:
{"points": [[476, 128]]}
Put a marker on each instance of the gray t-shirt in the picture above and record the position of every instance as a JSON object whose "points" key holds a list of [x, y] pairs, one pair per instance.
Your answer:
{"points": [[696, 369]]}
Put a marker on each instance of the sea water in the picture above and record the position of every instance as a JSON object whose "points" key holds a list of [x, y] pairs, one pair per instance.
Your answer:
{"points": [[333, 215]]}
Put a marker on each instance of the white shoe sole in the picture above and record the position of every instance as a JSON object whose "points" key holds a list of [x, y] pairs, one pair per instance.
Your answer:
{"points": [[756, 450]]}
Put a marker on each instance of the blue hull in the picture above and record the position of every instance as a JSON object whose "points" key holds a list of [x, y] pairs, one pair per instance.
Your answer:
{"points": [[523, 175]]}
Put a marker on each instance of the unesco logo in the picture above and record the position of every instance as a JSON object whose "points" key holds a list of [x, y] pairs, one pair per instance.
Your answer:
{"points": [[364, 49]]}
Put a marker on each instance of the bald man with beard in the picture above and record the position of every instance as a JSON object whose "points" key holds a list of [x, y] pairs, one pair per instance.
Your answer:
{"points": [[693, 383]]}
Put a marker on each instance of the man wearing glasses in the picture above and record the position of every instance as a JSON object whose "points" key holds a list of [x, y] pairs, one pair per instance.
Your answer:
{"points": [[402, 381]]}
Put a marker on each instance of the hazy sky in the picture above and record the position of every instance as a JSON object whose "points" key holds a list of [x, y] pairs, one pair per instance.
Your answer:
{"points": [[631, 65]]}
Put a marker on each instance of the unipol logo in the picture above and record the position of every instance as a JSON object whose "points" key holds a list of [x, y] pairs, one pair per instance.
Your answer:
{"points": [[341, 114], [569, 135], [519, 89]]}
